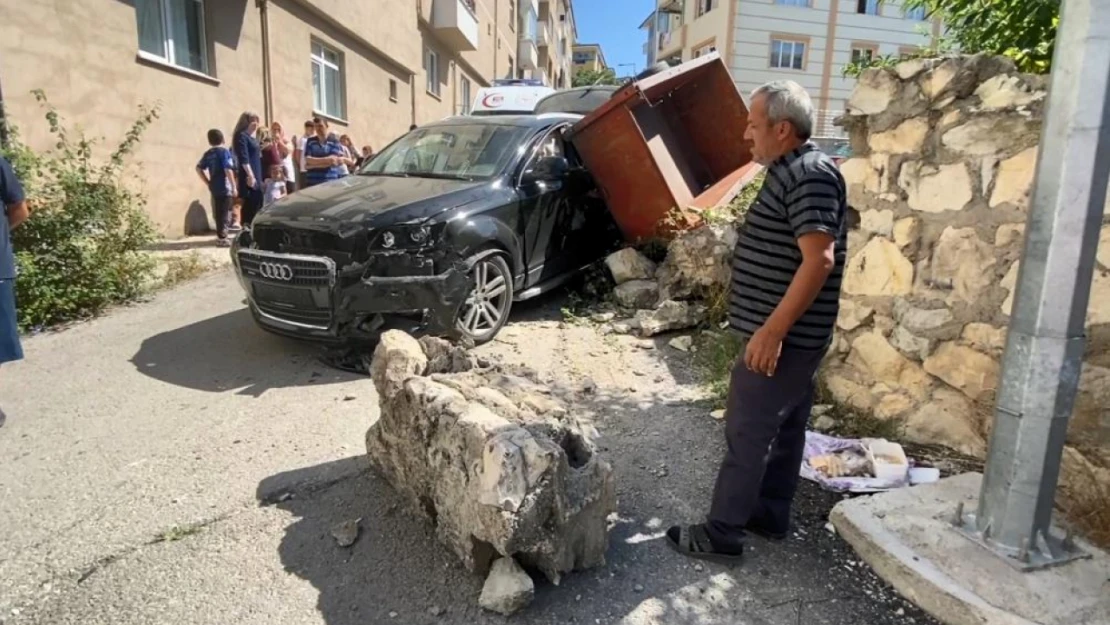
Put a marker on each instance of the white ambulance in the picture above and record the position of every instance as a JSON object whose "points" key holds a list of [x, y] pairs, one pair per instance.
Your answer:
{"points": [[510, 97]]}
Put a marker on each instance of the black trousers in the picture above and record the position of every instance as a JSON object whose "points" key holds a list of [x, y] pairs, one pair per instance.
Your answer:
{"points": [[222, 214], [252, 203], [765, 428]]}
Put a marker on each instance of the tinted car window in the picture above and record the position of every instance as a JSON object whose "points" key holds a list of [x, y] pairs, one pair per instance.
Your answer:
{"points": [[578, 101], [465, 151]]}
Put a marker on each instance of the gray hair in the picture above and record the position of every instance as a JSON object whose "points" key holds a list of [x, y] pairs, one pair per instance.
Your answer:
{"points": [[787, 101]]}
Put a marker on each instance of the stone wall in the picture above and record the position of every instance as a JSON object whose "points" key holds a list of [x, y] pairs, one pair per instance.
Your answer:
{"points": [[944, 153]]}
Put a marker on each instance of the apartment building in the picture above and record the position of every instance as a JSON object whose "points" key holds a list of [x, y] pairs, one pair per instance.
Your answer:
{"points": [[808, 41], [588, 57], [371, 68], [549, 28]]}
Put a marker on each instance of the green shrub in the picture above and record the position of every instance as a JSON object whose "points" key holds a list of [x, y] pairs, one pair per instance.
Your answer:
{"points": [[81, 250]]}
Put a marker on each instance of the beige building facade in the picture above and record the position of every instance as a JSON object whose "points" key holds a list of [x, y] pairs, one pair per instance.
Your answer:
{"points": [[808, 41], [588, 57], [556, 34], [371, 68]]}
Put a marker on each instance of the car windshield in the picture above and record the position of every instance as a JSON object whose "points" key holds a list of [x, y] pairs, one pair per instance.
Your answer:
{"points": [[455, 151]]}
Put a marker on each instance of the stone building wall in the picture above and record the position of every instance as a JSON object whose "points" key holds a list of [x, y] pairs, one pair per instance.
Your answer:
{"points": [[944, 153]]}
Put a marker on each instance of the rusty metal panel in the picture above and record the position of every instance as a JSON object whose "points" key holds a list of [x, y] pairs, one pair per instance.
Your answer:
{"points": [[669, 141], [619, 160]]}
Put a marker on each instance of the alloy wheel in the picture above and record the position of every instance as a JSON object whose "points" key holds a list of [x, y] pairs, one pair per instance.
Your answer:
{"points": [[486, 307]]}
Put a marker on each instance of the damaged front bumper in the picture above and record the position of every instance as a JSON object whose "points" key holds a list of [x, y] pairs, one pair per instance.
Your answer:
{"points": [[310, 297]]}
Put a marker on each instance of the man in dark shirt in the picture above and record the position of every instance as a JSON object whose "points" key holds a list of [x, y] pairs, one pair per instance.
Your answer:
{"points": [[323, 155], [786, 274], [15, 213]]}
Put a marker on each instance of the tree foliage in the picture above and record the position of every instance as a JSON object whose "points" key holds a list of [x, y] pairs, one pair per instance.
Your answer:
{"points": [[587, 77], [1024, 30]]}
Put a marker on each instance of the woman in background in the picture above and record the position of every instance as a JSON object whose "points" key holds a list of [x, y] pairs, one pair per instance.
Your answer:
{"points": [[248, 160]]}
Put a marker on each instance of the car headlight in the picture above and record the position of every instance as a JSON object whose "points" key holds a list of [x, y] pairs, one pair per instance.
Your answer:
{"points": [[406, 237]]}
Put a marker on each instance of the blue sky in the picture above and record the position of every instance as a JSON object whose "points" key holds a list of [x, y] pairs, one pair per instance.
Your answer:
{"points": [[615, 24]]}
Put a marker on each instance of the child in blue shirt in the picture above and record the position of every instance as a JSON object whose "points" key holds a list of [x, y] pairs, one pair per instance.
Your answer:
{"points": [[217, 170]]}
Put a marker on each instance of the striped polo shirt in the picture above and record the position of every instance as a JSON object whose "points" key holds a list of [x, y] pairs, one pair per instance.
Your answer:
{"points": [[803, 192]]}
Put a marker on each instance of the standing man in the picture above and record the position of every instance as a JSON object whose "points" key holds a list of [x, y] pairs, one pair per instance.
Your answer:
{"points": [[15, 213], [786, 273], [323, 155], [298, 152]]}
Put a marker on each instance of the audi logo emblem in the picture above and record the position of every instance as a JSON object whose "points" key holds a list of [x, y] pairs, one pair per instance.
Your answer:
{"points": [[275, 271]]}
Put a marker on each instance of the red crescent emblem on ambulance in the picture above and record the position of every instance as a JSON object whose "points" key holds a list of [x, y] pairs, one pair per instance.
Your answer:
{"points": [[493, 100]]}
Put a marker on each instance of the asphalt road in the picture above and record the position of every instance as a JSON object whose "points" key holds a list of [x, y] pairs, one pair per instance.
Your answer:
{"points": [[172, 464]]}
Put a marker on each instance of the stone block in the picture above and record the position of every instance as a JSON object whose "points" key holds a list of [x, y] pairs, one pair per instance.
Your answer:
{"points": [[921, 320], [909, 344], [852, 315], [935, 81], [949, 419], [880, 222], [893, 405], [990, 134], [906, 232], [1005, 92], [697, 263], [879, 269], [985, 338], [1015, 179], [962, 262], [1009, 282], [874, 357], [493, 460], [1008, 234], [874, 91], [637, 294], [669, 316], [935, 189], [972, 372], [628, 264], [909, 69], [906, 138], [848, 393]]}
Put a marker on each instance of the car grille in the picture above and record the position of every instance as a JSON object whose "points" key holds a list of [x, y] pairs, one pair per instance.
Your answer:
{"points": [[286, 269], [285, 240], [317, 318]]}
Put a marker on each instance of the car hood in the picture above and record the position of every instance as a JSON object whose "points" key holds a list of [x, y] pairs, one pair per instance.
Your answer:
{"points": [[370, 200]]}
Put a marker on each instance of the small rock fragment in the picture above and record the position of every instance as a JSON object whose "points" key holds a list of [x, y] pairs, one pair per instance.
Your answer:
{"points": [[718, 414], [638, 588], [699, 568], [603, 317], [508, 588], [824, 423], [682, 343], [392, 615], [346, 533], [830, 528], [435, 610]]}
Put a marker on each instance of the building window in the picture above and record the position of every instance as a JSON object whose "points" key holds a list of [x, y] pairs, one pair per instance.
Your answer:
{"points": [[704, 50], [863, 54], [705, 6], [464, 94], [787, 54], [793, 3], [916, 14], [392, 90], [868, 7], [173, 31], [512, 67], [512, 14], [431, 69], [327, 81]]}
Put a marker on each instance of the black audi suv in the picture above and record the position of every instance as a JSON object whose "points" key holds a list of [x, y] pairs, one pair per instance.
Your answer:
{"points": [[438, 233]]}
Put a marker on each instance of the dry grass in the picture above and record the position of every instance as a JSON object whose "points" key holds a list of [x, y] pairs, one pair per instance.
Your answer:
{"points": [[1085, 502], [185, 268]]}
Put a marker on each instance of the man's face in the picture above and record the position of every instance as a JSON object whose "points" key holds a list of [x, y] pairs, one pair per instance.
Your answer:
{"points": [[769, 141], [321, 130]]}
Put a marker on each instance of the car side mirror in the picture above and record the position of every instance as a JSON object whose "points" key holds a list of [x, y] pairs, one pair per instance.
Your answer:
{"points": [[547, 169]]}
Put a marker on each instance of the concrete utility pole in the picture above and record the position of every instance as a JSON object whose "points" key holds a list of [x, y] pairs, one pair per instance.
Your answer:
{"points": [[1044, 349]]}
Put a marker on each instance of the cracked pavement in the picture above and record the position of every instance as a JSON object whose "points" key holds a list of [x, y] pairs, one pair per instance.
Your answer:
{"points": [[171, 463]]}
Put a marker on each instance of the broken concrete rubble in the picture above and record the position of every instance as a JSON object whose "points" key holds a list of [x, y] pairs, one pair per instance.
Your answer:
{"points": [[496, 462], [508, 589], [669, 316], [697, 263], [637, 294]]}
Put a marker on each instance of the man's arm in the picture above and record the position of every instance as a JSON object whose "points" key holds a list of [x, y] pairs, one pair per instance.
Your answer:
{"points": [[230, 173], [243, 155], [813, 208], [202, 173], [17, 214]]}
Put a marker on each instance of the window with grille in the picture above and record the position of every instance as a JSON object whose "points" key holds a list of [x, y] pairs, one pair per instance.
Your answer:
{"points": [[788, 54], [327, 81], [863, 54], [868, 7], [173, 31]]}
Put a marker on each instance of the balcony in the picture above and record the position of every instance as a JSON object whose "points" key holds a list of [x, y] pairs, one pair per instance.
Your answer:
{"points": [[527, 54], [456, 23], [670, 43], [543, 34]]}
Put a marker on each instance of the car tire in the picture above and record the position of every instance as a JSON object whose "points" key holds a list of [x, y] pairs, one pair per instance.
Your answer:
{"points": [[489, 299]]}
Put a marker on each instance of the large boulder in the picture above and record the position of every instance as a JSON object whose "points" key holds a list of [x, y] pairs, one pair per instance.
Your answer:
{"points": [[498, 464], [698, 262]]}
